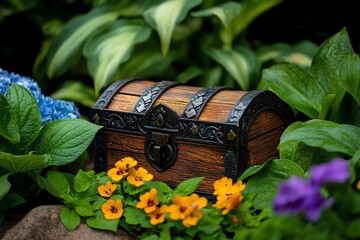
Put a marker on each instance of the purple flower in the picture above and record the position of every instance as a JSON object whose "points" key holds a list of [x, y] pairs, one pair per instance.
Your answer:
{"points": [[337, 170], [304, 195], [298, 195]]}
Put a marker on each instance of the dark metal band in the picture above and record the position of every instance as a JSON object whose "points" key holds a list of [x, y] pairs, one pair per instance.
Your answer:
{"points": [[150, 95], [198, 102], [255, 102], [108, 94]]}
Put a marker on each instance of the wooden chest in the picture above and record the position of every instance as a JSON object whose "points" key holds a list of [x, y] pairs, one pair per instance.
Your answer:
{"points": [[177, 132]]}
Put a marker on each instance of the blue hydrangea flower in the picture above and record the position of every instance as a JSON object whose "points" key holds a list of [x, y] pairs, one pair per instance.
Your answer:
{"points": [[50, 108], [304, 195]]}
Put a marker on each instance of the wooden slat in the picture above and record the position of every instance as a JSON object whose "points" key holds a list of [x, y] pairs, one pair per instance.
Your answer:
{"points": [[264, 123], [194, 160]]}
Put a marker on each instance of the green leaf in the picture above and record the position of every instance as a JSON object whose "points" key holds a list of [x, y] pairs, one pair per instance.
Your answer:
{"points": [[4, 185], [56, 183], [105, 51], [67, 44], [77, 92], [350, 76], [240, 64], [188, 186], [265, 183], [296, 87], [327, 64], [225, 12], [164, 15], [84, 208], [135, 216], [188, 74], [332, 137], [26, 112], [99, 222], [23, 163], [250, 10], [300, 54], [146, 62], [69, 218], [66, 139], [13, 200], [251, 171], [299, 153], [9, 128], [82, 181]]}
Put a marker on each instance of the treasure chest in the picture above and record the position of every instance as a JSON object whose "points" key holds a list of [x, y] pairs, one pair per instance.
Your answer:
{"points": [[177, 132]]}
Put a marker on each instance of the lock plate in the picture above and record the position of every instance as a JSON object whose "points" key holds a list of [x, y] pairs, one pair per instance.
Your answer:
{"points": [[161, 124]]}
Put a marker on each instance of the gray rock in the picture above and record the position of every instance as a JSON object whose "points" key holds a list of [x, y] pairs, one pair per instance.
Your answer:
{"points": [[43, 223]]}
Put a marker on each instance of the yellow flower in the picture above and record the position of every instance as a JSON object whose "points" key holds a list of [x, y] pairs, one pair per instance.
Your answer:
{"points": [[158, 215], [118, 172], [148, 201], [129, 161], [107, 189], [137, 177], [358, 185], [222, 185], [112, 209], [193, 218], [180, 208], [197, 202], [231, 198]]}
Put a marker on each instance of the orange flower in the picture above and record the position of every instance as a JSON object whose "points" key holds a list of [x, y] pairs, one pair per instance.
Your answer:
{"points": [[112, 209], [193, 218], [158, 215], [231, 198], [358, 185], [148, 201], [137, 177], [130, 162], [222, 185], [180, 208], [197, 202], [107, 189], [118, 172]]}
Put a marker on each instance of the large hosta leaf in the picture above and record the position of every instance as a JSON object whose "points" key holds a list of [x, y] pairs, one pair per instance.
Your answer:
{"points": [[66, 46], [107, 50], [64, 140], [250, 10], [23, 163], [164, 15], [326, 67], [26, 112], [225, 12], [296, 87], [333, 137], [350, 76], [240, 63]]}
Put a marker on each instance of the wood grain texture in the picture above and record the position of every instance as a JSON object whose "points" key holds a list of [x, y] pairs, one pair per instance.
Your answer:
{"points": [[194, 160]]}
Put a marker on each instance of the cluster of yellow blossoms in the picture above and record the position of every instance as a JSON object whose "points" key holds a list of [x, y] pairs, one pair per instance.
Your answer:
{"points": [[125, 167], [228, 195], [188, 209], [185, 208]]}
